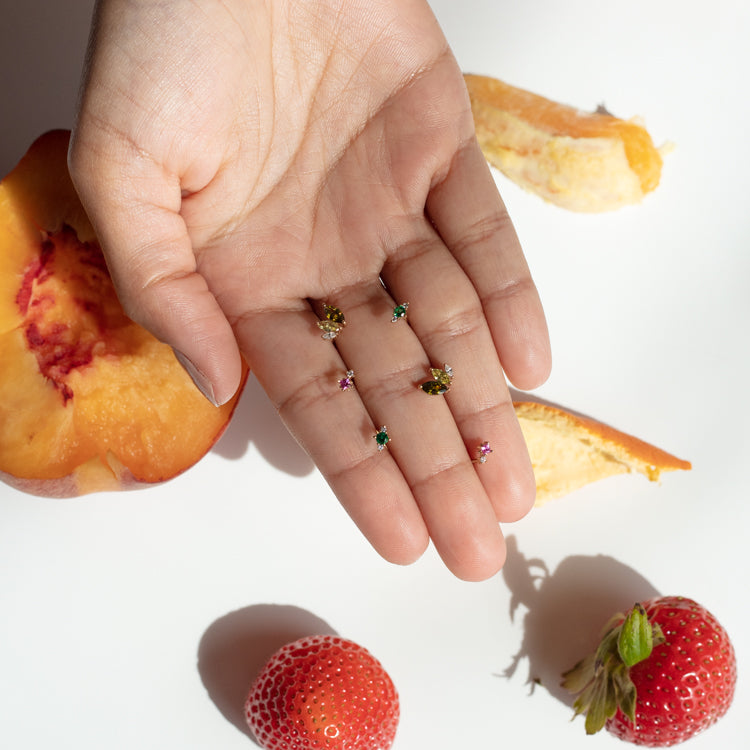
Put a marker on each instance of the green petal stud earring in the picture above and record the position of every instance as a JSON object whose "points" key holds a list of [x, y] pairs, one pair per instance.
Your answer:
{"points": [[441, 383], [334, 322]]}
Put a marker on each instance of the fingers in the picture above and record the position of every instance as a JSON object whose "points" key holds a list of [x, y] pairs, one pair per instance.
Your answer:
{"points": [[446, 315], [423, 484], [152, 263], [426, 441], [473, 222], [300, 372]]}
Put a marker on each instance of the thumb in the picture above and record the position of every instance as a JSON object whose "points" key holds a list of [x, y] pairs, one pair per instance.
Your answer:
{"points": [[153, 266]]}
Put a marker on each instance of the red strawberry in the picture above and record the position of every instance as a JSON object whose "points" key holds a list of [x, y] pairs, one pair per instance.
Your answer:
{"points": [[323, 692], [661, 674]]}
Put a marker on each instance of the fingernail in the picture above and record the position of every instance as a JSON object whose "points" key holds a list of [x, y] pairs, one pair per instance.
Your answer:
{"points": [[203, 384]]}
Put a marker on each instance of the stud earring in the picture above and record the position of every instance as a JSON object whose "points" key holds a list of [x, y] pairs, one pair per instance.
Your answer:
{"points": [[347, 381], [333, 324], [484, 452], [382, 438], [399, 311], [441, 383]]}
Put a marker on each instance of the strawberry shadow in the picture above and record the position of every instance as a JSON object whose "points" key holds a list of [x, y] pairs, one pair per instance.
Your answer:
{"points": [[256, 421], [565, 610], [235, 648]]}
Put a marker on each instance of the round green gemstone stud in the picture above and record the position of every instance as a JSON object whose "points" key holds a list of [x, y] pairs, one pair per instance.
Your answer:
{"points": [[399, 312], [382, 438]]}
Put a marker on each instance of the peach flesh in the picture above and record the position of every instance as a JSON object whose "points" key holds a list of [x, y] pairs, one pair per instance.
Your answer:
{"points": [[89, 400], [60, 346]]}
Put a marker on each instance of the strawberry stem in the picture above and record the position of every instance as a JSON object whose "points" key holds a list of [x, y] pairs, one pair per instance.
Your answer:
{"points": [[636, 640], [601, 681]]}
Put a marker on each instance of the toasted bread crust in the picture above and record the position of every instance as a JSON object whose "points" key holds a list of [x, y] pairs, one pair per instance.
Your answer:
{"points": [[581, 161], [569, 451]]}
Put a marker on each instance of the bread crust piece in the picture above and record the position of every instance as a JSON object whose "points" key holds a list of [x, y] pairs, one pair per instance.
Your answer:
{"points": [[569, 451], [581, 161]]}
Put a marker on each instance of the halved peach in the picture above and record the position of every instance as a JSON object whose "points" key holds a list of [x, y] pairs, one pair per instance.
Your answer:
{"points": [[89, 400]]}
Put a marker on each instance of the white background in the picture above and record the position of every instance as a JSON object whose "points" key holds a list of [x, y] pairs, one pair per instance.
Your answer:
{"points": [[136, 620]]}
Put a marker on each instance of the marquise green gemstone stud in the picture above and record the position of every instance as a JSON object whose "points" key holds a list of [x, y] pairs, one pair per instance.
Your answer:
{"points": [[399, 312], [333, 323], [334, 314], [441, 383], [382, 438]]}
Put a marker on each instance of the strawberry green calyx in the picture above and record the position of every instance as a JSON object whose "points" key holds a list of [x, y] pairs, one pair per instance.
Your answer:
{"points": [[601, 680], [636, 640]]}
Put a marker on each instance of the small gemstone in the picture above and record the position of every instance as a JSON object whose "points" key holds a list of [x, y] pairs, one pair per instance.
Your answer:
{"points": [[441, 383], [434, 388], [484, 452], [330, 329], [442, 376], [334, 314], [399, 312], [347, 382], [382, 438]]}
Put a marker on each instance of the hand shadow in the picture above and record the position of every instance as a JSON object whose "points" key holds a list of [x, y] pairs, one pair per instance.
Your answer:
{"points": [[566, 610], [256, 421], [237, 646]]}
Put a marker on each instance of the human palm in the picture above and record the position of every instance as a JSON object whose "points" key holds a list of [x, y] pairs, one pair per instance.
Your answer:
{"points": [[257, 159]]}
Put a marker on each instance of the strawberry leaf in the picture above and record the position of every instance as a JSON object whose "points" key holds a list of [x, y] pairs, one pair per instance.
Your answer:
{"points": [[636, 640], [576, 679], [601, 681]]}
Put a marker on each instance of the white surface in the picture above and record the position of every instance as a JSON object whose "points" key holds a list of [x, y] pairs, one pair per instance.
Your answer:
{"points": [[126, 621]]}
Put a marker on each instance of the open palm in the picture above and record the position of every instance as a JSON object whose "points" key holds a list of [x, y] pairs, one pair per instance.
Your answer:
{"points": [[245, 162]]}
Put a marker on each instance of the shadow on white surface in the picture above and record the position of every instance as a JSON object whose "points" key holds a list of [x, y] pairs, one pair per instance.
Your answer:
{"points": [[256, 421], [565, 610], [237, 646]]}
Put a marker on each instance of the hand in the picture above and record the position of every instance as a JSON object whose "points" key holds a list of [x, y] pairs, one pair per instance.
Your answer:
{"points": [[244, 161]]}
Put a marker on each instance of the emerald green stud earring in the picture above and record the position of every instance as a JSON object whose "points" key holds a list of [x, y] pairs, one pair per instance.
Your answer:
{"points": [[399, 311], [382, 438]]}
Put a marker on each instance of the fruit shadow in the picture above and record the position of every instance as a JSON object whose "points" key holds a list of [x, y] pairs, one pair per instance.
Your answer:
{"points": [[235, 648], [566, 610], [256, 421]]}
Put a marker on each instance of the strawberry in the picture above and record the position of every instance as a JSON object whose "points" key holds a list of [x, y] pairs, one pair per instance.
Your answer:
{"points": [[662, 673], [323, 692]]}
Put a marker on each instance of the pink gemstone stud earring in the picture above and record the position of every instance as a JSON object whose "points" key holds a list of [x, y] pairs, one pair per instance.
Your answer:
{"points": [[347, 381], [484, 452]]}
